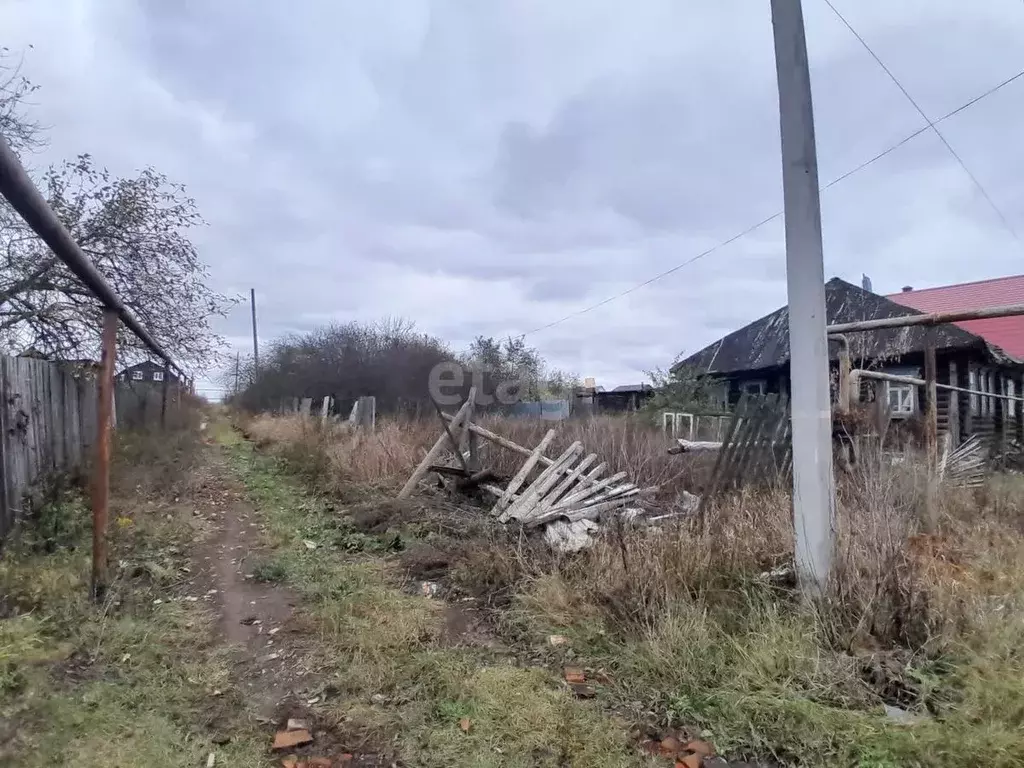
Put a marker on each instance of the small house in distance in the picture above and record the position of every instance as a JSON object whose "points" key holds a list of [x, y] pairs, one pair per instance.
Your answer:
{"points": [[147, 371], [592, 398], [755, 360]]}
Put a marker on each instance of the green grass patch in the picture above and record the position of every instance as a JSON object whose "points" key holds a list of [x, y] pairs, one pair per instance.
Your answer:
{"points": [[128, 682]]}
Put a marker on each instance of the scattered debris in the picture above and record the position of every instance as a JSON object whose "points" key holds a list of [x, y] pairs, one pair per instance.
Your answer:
{"points": [[567, 496], [570, 537], [582, 691], [429, 588], [670, 746], [249, 621], [901, 716], [557, 640], [690, 761], [966, 465], [289, 739], [211, 760], [295, 724], [574, 675], [465, 724], [309, 544], [702, 748]]}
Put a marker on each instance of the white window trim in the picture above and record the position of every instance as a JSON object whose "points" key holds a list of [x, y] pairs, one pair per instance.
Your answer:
{"points": [[137, 375], [907, 402], [158, 375], [1011, 391]]}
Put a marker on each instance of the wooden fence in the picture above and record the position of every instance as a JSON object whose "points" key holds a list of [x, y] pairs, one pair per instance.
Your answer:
{"points": [[48, 425], [757, 445]]}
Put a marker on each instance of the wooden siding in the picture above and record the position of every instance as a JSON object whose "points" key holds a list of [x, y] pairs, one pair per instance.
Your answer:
{"points": [[48, 425]]}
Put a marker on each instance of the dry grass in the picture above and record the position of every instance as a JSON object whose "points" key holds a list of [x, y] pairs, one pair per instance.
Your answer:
{"points": [[336, 458], [703, 626]]}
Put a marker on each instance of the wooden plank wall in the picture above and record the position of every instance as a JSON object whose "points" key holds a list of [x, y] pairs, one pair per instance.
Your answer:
{"points": [[47, 425]]}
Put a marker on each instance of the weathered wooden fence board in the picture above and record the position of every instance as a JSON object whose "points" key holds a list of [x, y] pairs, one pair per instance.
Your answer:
{"points": [[757, 445], [48, 424]]}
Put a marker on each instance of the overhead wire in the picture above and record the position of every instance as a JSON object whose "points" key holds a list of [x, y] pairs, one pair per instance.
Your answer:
{"points": [[931, 126]]}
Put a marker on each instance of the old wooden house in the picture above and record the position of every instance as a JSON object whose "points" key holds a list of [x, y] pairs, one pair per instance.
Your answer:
{"points": [[755, 359]]}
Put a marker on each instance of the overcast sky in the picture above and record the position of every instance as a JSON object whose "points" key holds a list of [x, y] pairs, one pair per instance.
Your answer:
{"points": [[488, 167]]}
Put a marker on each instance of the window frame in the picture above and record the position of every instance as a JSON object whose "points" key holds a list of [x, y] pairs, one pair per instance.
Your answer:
{"points": [[138, 375], [906, 405], [745, 387], [158, 375]]}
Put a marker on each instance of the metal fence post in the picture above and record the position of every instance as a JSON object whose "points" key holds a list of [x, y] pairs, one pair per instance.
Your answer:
{"points": [[101, 470]]}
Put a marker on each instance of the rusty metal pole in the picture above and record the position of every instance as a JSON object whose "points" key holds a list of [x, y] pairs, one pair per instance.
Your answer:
{"points": [[101, 468], [163, 396], [931, 410], [931, 435]]}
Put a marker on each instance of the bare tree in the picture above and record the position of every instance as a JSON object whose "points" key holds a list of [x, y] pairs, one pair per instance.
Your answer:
{"points": [[16, 127], [135, 230]]}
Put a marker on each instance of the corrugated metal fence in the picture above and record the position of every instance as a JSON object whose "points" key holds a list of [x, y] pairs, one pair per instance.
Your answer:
{"points": [[48, 424]]}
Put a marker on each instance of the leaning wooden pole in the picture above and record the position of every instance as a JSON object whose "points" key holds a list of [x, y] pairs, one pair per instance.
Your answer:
{"points": [[101, 466]]}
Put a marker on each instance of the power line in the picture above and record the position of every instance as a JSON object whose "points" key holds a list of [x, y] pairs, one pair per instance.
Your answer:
{"points": [[758, 225], [905, 92]]}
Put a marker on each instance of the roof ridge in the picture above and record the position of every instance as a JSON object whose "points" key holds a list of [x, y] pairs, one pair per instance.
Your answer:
{"points": [[958, 285]]}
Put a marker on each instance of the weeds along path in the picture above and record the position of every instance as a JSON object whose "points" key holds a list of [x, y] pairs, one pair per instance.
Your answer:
{"points": [[381, 670]]}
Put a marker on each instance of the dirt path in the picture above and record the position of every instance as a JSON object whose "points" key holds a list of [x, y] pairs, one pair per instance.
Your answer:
{"points": [[255, 618]]}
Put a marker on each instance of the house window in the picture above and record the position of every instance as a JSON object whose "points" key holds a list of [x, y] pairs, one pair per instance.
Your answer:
{"points": [[972, 384], [137, 375], [752, 388], [158, 375], [900, 398]]}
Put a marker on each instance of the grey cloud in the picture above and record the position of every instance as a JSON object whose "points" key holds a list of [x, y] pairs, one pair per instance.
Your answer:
{"points": [[487, 168]]}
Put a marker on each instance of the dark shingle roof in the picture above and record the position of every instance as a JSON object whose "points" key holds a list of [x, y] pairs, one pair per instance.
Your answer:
{"points": [[764, 343]]}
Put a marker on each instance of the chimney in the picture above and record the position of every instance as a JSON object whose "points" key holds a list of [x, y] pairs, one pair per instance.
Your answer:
{"points": [[865, 282], [589, 382], [908, 288]]}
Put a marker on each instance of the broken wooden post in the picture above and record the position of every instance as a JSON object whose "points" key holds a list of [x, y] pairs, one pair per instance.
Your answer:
{"points": [[101, 471], [325, 409], [457, 422], [471, 440]]}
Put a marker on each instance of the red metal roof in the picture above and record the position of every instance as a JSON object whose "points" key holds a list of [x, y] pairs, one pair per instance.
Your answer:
{"points": [[1007, 333]]}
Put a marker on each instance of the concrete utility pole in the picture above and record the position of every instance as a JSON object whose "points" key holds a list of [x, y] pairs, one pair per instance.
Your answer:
{"points": [[813, 484], [255, 339]]}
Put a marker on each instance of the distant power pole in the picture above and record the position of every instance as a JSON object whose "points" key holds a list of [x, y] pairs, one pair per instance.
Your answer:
{"points": [[813, 484], [255, 338]]}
